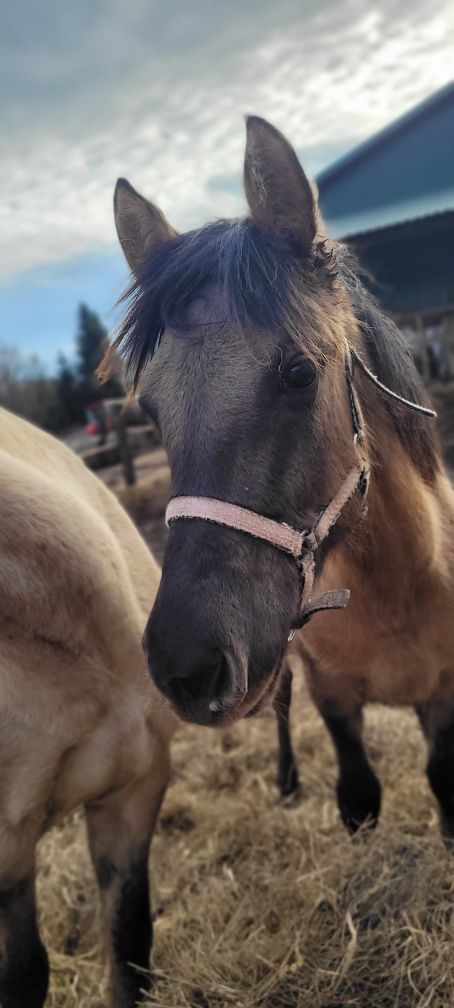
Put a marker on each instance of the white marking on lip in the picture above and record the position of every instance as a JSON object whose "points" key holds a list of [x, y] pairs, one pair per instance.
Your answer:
{"points": [[215, 706]]}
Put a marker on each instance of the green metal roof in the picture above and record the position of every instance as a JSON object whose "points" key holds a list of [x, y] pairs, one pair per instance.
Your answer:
{"points": [[403, 173]]}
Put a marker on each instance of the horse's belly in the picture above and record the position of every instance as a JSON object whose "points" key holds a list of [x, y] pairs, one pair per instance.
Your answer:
{"points": [[400, 682]]}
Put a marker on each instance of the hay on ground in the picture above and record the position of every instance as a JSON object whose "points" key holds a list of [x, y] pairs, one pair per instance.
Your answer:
{"points": [[262, 905]]}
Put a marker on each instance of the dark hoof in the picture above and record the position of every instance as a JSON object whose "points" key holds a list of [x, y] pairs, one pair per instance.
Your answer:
{"points": [[288, 781], [359, 803], [447, 831]]}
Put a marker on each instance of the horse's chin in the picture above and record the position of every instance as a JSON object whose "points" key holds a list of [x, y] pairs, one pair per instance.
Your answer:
{"points": [[268, 695], [253, 703]]}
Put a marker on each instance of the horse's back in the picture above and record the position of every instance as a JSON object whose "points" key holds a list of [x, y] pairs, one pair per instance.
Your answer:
{"points": [[71, 559]]}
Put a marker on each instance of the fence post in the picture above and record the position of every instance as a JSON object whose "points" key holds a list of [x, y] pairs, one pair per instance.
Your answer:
{"points": [[126, 456]]}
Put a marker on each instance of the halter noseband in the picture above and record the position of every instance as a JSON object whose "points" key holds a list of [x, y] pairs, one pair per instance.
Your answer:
{"points": [[301, 545]]}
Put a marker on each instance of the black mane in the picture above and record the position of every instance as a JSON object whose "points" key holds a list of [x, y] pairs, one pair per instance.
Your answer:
{"points": [[256, 266], [393, 363]]}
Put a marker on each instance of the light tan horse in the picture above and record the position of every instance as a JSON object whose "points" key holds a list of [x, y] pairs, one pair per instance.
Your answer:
{"points": [[80, 720]]}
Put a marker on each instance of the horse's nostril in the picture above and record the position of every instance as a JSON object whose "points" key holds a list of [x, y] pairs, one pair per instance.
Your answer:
{"points": [[221, 681], [204, 680]]}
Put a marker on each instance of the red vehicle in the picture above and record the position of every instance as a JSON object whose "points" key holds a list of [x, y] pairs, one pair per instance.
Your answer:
{"points": [[99, 419], [102, 416]]}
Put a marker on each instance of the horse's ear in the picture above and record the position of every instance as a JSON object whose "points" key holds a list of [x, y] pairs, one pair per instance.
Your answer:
{"points": [[278, 193], [140, 225]]}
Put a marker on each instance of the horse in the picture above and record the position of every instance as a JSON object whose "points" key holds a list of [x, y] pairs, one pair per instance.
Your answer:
{"points": [[81, 721], [304, 456]]}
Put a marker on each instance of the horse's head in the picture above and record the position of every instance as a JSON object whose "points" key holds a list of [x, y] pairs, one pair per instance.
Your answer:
{"points": [[237, 338]]}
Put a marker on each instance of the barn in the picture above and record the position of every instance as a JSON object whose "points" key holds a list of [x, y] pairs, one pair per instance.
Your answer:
{"points": [[392, 200]]}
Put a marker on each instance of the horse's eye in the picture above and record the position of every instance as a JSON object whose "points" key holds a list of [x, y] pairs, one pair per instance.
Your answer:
{"points": [[299, 373]]}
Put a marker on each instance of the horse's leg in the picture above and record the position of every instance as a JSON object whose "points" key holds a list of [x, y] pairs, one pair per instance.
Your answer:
{"points": [[24, 966], [287, 775], [120, 828], [437, 722], [358, 790]]}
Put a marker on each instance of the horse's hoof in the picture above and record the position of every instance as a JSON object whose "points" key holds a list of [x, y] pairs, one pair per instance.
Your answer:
{"points": [[288, 783], [359, 806], [447, 831]]}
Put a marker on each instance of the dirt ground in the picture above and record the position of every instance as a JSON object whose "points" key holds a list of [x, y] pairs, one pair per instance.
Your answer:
{"points": [[259, 904]]}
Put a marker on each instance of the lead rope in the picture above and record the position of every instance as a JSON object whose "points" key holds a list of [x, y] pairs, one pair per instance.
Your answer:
{"points": [[416, 407]]}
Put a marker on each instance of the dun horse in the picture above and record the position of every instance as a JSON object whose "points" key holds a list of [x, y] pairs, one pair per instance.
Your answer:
{"points": [[301, 454], [81, 722]]}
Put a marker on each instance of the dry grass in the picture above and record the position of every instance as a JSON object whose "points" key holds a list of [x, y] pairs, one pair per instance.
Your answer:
{"points": [[146, 499], [264, 906]]}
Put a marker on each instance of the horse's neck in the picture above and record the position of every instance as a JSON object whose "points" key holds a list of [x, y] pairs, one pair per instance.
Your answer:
{"points": [[397, 549]]}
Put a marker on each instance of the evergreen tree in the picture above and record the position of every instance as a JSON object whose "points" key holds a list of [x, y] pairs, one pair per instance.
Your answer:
{"points": [[69, 393], [59, 401], [91, 343]]}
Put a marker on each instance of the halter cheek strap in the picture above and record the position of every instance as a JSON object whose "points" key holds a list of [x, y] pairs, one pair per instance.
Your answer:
{"points": [[301, 545]]}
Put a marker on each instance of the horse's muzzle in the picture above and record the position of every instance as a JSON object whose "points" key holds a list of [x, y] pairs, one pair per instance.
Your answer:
{"points": [[209, 690]]}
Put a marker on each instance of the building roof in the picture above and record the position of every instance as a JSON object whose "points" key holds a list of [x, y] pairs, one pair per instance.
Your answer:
{"points": [[403, 173]]}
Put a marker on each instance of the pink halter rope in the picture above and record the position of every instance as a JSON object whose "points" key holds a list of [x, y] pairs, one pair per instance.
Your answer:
{"points": [[281, 536], [300, 545]]}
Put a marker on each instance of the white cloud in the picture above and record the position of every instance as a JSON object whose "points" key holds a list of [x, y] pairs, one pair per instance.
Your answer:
{"points": [[157, 92]]}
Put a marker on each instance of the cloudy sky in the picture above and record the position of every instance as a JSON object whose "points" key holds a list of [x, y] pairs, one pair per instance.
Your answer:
{"points": [[156, 90]]}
